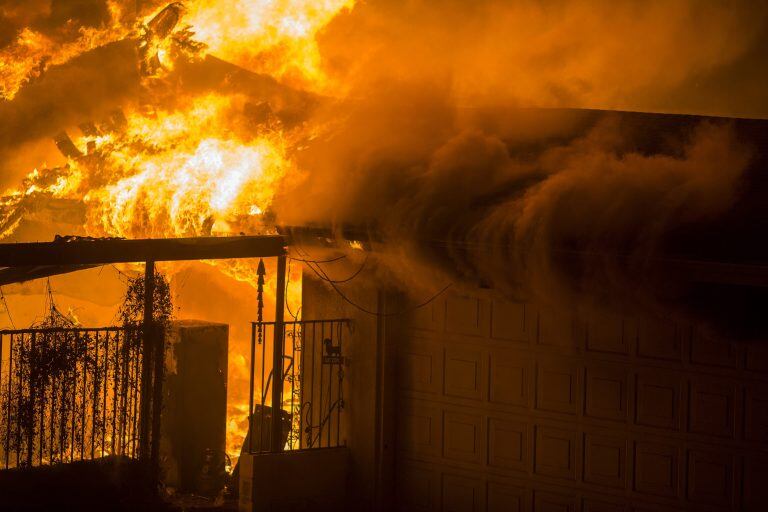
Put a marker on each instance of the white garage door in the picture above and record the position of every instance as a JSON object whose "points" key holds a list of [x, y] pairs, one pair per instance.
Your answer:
{"points": [[505, 406]]}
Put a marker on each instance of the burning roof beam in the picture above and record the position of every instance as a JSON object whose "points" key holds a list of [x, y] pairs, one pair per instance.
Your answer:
{"points": [[22, 274]]}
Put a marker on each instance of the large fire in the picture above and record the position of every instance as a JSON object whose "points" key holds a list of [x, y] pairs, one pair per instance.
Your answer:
{"points": [[178, 163], [275, 37], [182, 173], [27, 57], [268, 36]]}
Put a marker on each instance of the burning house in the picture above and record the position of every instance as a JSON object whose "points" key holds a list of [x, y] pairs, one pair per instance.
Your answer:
{"points": [[383, 255]]}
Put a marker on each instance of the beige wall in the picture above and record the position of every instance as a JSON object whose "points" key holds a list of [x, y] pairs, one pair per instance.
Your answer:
{"points": [[359, 415]]}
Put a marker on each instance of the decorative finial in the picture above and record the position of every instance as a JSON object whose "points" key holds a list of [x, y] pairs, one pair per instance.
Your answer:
{"points": [[261, 272]]}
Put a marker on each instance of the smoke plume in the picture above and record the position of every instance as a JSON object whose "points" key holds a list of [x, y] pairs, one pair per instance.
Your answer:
{"points": [[416, 143], [443, 150], [552, 204], [678, 56]]}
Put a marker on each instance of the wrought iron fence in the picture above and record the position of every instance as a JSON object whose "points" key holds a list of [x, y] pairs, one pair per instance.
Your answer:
{"points": [[69, 394], [310, 381]]}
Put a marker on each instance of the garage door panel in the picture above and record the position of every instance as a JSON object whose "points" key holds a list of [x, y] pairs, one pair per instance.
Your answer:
{"points": [[557, 329], [465, 372], [711, 477], [506, 405], [755, 477], [420, 430], [660, 338], [467, 315], [712, 409], [605, 461], [756, 413], [510, 377], [604, 505], [417, 489], [508, 444], [557, 386], [463, 437], [609, 332], [756, 359], [512, 321], [658, 399], [546, 501], [657, 468], [420, 367], [555, 452], [506, 498], [463, 494], [709, 351], [606, 392]]}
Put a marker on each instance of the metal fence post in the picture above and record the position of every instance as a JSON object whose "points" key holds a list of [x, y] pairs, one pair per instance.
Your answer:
{"points": [[158, 341], [146, 366], [277, 357]]}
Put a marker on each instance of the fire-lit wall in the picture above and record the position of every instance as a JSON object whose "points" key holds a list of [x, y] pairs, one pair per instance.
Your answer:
{"points": [[506, 406], [360, 416]]}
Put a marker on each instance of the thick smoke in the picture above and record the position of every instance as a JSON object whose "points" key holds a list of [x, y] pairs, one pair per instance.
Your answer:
{"points": [[682, 56], [553, 204], [548, 202], [601, 203], [419, 149]]}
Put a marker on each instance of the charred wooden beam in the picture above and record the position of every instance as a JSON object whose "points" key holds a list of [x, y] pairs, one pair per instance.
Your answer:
{"points": [[103, 251], [21, 274]]}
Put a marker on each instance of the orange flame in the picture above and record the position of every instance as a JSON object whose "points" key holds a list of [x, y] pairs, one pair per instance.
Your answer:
{"points": [[27, 57], [176, 180], [275, 37], [187, 169]]}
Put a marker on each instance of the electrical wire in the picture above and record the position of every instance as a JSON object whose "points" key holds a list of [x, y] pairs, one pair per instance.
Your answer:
{"points": [[121, 272], [287, 304], [320, 261], [5, 305], [349, 301], [338, 281], [319, 272], [306, 256]]}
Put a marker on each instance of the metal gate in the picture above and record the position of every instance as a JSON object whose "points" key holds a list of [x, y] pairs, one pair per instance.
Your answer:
{"points": [[310, 384], [307, 390], [69, 394]]}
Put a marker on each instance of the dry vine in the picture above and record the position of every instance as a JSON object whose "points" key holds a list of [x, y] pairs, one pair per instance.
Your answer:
{"points": [[74, 392]]}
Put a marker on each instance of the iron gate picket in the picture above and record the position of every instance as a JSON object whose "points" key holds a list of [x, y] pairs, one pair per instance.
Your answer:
{"points": [[311, 385]]}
